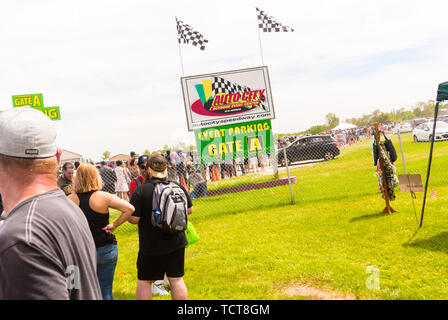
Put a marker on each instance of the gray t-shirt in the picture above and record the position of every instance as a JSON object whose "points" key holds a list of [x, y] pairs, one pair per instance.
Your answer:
{"points": [[47, 251]]}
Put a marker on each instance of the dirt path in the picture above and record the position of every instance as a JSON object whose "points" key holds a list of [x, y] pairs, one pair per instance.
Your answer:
{"points": [[310, 292]]}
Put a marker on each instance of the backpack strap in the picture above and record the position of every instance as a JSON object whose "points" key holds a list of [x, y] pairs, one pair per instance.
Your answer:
{"points": [[155, 183], [137, 180]]}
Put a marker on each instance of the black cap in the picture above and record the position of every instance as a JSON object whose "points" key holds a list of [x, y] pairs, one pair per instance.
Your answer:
{"points": [[142, 159]]}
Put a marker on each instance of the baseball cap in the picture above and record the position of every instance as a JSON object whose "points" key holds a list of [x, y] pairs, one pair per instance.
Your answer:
{"points": [[157, 163], [27, 133]]}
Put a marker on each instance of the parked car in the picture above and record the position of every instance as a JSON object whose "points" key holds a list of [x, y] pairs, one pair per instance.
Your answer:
{"points": [[309, 148], [415, 122], [403, 127], [443, 118], [423, 132]]}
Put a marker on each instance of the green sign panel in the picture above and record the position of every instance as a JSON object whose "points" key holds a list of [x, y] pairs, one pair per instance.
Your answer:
{"points": [[33, 100], [36, 101], [52, 112], [239, 140]]}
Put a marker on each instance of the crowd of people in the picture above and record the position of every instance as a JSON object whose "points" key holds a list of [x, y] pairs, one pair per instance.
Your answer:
{"points": [[122, 177], [187, 168], [343, 137], [56, 237]]}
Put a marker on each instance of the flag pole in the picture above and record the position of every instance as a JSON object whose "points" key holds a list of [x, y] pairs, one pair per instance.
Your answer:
{"points": [[181, 62], [180, 51], [436, 111], [261, 48], [259, 38]]}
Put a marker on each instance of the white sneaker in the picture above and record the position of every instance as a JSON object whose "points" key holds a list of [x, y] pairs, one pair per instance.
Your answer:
{"points": [[159, 290]]}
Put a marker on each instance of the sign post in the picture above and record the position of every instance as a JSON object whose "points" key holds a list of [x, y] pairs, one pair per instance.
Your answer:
{"points": [[230, 113], [287, 172]]}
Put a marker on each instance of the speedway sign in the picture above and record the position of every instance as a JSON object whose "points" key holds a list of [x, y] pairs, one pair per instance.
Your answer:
{"points": [[228, 97]]}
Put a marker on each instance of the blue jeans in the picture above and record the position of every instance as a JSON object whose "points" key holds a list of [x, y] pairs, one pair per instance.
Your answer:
{"points": [[107, 257], [199, 191]]}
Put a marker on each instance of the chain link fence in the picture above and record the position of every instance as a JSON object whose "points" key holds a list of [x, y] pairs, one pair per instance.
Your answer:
{"points": [[309, 168]]}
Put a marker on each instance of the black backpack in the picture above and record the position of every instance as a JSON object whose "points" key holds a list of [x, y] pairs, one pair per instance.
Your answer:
{"points": [[169, 208], [390, 148]]}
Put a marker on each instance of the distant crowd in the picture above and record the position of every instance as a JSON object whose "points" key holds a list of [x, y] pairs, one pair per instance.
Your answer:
{"points": [[343, 137], [121, 177]]}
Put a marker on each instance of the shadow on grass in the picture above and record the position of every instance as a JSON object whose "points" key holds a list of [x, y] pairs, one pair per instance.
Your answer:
{"points": [[124, 296], [208, 199], [436, 243], [369, 216]]}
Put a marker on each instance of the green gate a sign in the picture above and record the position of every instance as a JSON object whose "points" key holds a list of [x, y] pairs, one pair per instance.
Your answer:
{"points": [[33, 100], [52, 112], [36, 101], [239, 140]]}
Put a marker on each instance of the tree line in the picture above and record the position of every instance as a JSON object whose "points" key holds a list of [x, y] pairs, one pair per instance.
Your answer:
{"points": [[420, 110]]}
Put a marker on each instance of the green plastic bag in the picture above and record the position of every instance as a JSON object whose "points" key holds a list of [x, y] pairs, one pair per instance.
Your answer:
{"points": [[192, 236]]}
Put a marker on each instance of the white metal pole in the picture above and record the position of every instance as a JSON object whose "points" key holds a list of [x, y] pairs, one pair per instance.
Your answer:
{"points": [[261, 48], [181, 62], [180, 51], [402, 153], [287, 172]]}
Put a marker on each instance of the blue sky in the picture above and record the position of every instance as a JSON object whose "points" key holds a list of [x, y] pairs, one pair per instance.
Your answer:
{"points": [[114, 69]]}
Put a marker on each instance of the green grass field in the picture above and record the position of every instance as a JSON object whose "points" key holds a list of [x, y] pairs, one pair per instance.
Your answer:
{"points": [[256, 245]]}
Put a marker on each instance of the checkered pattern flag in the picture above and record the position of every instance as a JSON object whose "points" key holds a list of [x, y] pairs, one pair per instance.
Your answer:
{"points": [[186, 34], [221, 85], [269, 24]]}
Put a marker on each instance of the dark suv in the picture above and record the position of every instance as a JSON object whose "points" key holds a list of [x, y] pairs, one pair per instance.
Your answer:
{"points": [[310, 148]]}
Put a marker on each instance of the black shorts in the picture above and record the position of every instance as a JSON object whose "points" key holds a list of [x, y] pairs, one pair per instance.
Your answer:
{"points": [[152, 268]]}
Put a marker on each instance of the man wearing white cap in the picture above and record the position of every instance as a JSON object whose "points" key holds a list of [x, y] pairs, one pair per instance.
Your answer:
{"points": [[46, 247]]}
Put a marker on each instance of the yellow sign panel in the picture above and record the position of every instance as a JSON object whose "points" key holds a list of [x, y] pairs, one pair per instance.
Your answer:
{"points": [[255, 144], [32, 100]]}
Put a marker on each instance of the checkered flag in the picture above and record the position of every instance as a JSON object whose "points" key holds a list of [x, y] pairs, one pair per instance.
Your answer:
{"points": [[269, 24], [221, 85], [186, 34]]}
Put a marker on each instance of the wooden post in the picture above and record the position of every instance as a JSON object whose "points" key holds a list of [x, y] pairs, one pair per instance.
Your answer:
{"points": [[388, 209]]}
